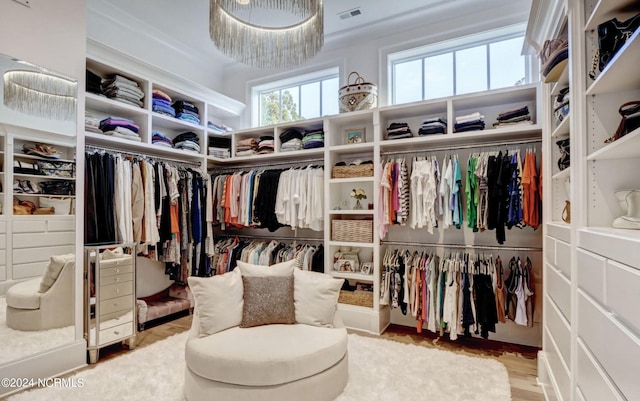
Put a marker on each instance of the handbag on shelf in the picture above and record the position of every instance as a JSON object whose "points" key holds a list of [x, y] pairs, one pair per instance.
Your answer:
{"points": [[21, 167], [561, 105], [612, 35], [57, 168], [57, 187], [565, 153], [630, 121], [359, 95], [60, 205]]}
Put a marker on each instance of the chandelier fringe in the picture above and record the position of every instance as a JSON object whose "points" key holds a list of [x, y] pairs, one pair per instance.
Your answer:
{"points": [[300, 8], [263, 47], [40, 94]]}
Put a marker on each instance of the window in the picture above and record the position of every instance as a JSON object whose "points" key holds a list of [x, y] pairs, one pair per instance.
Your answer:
{"points": [[302, 97], [483, 62]]}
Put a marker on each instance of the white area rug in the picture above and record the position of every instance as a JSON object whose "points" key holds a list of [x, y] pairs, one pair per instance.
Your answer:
{"points": [[16, 344], [379, 370]]}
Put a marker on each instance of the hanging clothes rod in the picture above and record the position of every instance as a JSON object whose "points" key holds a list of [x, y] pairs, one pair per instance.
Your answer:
{"points": [[470, 146], [293, 163], [278, 238], [463, 246], [146, 156]]}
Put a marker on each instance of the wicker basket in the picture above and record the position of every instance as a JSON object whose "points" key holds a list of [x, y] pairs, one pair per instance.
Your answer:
{"points": [[358, 298], [361, 170], [352, 230]]}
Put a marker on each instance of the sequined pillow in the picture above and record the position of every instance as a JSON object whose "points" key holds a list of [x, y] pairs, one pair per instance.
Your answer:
{"points": [[268, 300]]}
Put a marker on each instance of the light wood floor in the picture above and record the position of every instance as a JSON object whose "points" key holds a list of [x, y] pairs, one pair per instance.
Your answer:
{"points": [[520, 361]]}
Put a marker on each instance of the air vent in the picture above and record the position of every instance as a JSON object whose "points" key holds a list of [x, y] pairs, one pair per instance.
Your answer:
{"points": [[350, 13]]}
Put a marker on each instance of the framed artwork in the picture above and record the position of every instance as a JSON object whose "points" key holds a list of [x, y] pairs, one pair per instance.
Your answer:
{"points": [[354, 135], [346, 265], [366, 268]]}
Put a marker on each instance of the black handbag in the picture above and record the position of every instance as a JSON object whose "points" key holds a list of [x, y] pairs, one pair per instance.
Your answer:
{"points": [[612, 35], [630, 113], [565, 153]]}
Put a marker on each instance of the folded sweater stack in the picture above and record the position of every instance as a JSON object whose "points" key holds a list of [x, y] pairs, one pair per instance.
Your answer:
{"points": [[433, 126], [120, 127], [160, 139], [220, 147], [91, 123], [313, 139], [94, 82], [161, 103], [515, 116], [187, 112], [399, 131], [187, 141], [247, 147], [219, 128], [291, 140], [123, 90], [469, 122], [265, 145]]}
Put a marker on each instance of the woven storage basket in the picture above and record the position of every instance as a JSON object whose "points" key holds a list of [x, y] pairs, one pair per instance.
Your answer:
{"points": [[352, 230], [358, 298], [361, 170]]}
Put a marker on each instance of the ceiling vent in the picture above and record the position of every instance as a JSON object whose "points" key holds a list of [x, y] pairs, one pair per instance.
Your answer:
{"points": [[350, 13]]}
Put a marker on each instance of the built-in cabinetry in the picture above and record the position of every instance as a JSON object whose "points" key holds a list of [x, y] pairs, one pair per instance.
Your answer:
{"points": [[591, 336]]}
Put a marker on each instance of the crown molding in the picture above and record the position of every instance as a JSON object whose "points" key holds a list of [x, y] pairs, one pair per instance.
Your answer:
{"points": [[543, 24]]}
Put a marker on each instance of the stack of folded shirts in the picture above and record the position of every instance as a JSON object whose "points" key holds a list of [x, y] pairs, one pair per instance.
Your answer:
{"points": [[469, 122], [513, 117], [161, 103], [313, 139], [120, 127], [433, 126], [123, 89], [398, 131], [187, 112], [187, 141], [247, 147], [219, 128], [291, 139], [265, 145], [93, 82], [220, 147], [160, 139], [91, 123]]}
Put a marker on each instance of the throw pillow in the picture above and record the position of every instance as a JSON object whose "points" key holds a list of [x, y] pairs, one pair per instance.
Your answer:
{"points": [[279, 269], [315, 297], [268, 300], [218, 301], [54, 268]]}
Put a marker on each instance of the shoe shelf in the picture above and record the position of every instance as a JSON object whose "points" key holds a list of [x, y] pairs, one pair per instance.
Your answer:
{"points": [[562, 82], [622, 71], [613, 243], [624, 148], [607, 9], [563, 128]]}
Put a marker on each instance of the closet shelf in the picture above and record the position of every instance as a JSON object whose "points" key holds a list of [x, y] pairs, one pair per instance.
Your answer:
{"points": [[358, 212], [621, 73], [45, 216], [409, 110], [352, 148], [24, 194], [352, 244], [563, 128], [354, 308], [145, 148], [17, 155], [626, 147], [353, 179], [162, 121], [607, 9], [113, 107], [562, 82], [612, 243], [353, 276], [560, 230], [562, 175], [279, 155], [44, 177]]}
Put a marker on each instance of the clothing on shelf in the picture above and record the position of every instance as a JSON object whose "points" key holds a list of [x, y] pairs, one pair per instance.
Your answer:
{"points": [[469, 122], [313, 139], [229, 251], [432, 126], [91, 123], [120, 127], [459, 294], [220, 147], [187, 141], [123, 90], [186, 111], [154, 204], [94, 82], [247, 147], [398, 131], [161, 103], [160, 139], [517, 116], [265, 145], [291, 140], [219, 128]]}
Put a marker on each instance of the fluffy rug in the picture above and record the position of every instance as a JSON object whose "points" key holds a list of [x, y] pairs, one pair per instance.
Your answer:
{"points": [[379, 370], [17, 344]]}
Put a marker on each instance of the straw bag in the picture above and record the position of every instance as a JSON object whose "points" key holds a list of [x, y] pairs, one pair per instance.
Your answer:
{"points": [[359, 95]]}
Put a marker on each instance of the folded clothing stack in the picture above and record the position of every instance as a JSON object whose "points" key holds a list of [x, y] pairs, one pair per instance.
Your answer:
{"points": [[120, 127], [94, 82], [187, 141], [398, 131], [91, 123], [265, 145], [219, 128], [247, 147], [187, 111], [160, 139], [291, 139], [161, 103], [433, 126], [469, 122], [313, 138], [123, 89], [220, 147], [515, 116]]}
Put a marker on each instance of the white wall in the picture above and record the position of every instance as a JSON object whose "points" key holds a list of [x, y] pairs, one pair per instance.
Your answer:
{"points": [[366, 53]]}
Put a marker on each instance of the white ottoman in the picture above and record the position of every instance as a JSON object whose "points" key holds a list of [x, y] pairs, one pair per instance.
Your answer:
{"points": [[273, 362]]}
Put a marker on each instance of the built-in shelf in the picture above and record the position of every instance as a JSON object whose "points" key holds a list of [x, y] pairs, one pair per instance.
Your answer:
{"points": [[125, 145], [613, 243], [622, 71], [352, 148], [353, 276], [563, 128], [161, 121], [32, 157], [562, 174], [39, 195], [43, 177], [607, 9], [624, 148], [560, 230], [296, 155], [562, 82], [348, 180], [112, 107], [353, 212], [354, 308], [351, 244]]}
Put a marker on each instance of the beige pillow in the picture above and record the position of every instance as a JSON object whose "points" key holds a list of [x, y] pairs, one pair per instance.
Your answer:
{"points": [[279, 269], [268, 300], [218, 301], [315, 297], [56, 263]]}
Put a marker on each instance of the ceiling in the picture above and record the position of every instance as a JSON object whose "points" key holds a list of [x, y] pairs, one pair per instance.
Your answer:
{"points": [[185, 24]]}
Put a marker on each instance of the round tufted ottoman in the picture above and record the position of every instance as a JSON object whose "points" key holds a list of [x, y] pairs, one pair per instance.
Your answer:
{"points": [[273, 362]]}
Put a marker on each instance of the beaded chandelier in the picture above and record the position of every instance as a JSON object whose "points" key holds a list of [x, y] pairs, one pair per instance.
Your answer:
{"points": [[242, 30]]}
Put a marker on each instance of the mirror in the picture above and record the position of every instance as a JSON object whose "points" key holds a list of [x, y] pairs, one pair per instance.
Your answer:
{"points": [[37, 216]]}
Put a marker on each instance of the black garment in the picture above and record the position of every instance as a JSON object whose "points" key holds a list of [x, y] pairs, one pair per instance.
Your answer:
{"points": [[402, 270], [265, 202], [100, 228], [467, 311], [502, 197], [485, 304], [289, 134], [186, 137], [493, 167], [317, 261]]}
